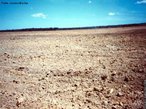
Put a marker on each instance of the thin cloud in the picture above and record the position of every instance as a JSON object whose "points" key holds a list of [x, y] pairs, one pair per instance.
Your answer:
{"points": [[89, 1], [39, 15], [141, 2], [111, 14]]}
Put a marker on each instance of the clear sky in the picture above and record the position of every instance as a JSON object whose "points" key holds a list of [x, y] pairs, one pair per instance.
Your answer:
{"points": [[70, 13]]}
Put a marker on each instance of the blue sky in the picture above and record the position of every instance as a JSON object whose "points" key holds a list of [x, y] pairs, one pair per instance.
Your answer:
{"points": [[70, 13]]}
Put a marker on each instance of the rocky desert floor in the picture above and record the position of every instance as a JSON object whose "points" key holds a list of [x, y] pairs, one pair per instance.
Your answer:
{"points": [[73, 69]]}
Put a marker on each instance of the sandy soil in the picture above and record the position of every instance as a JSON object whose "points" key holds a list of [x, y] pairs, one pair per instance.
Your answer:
{"points": [[74, 69]]}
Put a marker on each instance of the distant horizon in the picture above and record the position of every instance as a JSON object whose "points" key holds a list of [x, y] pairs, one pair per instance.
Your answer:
{"points": [[98, 26], [16, 14]]}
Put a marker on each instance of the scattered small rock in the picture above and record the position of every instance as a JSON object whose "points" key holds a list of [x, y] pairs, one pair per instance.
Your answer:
{"points": [[88, 94], [103, 66], [19, 101], [90, 68], [119, 94], [51, 71], [105, 102], [110, 91], [8, 56], [104, 77], [18, 104], [41, 79], [75, 85], [140, 70], [69, 72], [39, 56], [99, 89], [114, 107], [95, 89], [121, 104], [14, 81], [21, 68], [112, 79], [126, 79], [113, 74], [47, 74], [89, 101]]}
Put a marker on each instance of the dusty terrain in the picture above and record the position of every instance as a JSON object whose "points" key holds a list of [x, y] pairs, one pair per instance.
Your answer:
{"points": [[73, 69]]}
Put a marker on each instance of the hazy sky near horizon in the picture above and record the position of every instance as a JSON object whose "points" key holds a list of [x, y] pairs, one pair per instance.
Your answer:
{"points": [[70, 13]]}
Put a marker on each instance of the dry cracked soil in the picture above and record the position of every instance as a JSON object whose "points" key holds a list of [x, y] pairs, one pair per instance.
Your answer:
{"points": [[73, 69]]}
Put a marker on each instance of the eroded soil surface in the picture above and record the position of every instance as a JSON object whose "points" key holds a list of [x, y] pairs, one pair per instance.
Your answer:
{"points": [[74, 69]]}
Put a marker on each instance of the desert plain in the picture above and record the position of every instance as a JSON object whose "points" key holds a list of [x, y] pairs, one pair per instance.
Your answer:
{"points": [[101, 68]]}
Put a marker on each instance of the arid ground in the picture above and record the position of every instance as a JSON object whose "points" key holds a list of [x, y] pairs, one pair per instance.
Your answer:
{"points": [[73, 69]]}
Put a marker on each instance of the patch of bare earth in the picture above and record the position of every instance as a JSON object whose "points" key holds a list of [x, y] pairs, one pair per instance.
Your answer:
{"points": [[75, 69]]}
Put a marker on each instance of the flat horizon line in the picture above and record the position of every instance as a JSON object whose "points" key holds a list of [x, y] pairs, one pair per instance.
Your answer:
{"points": [[74, 28]]}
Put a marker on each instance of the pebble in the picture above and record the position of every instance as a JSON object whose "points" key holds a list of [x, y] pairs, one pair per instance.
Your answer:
{"points": [[14, 81], [104, 77], [111, 91], [99, 89], [21, 99], [21, 68], [126, 79], [141, 70], [113, 107], [119, 94], [121, 104], [105, 102]]}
